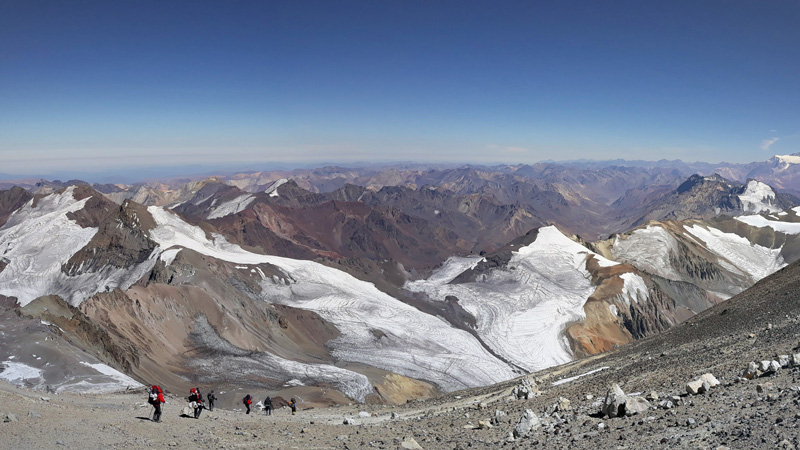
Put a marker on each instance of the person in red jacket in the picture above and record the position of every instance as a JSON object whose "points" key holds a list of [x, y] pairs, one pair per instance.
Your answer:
{"points": [[156, 399], [247, 400]]}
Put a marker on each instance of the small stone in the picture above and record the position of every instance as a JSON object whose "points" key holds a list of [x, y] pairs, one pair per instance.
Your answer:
{"points": [[484, 424], [589, 397], [796, 359], [691, 423], [563, 404], [784, 361], [45, 399], [10, 418], [34, 414], [341, 437], [774, 366], [348, 421], [652, 396], [364, 415], [395, 416], [410, 443], [666, 404], [601, 426]]}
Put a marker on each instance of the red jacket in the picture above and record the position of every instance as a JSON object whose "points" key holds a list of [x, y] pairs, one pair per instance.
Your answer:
{"points": [[160, 394]]}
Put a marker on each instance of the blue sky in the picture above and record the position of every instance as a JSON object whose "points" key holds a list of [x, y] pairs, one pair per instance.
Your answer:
{"points": [[113, 84]]}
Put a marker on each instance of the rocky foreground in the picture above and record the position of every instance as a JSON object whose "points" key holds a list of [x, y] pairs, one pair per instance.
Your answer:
{"points": [[637, 396]]}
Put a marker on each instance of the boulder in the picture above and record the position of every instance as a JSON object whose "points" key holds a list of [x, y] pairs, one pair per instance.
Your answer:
{"points": [[694, 387], [527, 423], [614, 404], [636, 405], [702, 384], [711, 379], [525, 390], [752, 371]]}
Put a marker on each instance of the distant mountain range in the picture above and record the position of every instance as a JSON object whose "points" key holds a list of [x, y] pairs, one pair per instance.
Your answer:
{"points": [[373, 284]]}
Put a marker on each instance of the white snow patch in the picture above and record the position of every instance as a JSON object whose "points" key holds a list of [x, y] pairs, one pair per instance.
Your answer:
{"points": [[567, 380], [168, 256], [761, 222], [634, 288], [521, 313], [789, 159], [414, 344], [123, 381], [737, 254], [231, 207], [758, 197], [18, 372], [272, 190]]}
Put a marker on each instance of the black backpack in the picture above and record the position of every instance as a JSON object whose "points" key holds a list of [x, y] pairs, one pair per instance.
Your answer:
{"points": [[246, 399]]}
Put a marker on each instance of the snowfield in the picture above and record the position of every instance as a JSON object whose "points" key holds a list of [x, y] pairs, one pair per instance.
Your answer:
{"points": [[522, 311], [779, 226], [231, 207], [650, 249], [737, 254], [37, 240], [410, 342]]}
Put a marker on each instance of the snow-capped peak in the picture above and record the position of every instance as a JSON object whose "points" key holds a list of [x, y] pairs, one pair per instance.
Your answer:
{"points": [[758, 197]]}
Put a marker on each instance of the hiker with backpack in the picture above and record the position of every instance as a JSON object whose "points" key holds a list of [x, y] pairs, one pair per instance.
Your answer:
{"points": [[268, 406], [247, 400], [156, 398], [293, 405], [211, 399], [196, 402]]}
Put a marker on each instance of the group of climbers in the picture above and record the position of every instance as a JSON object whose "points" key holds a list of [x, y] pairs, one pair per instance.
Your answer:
{"points": [[196, 402]]}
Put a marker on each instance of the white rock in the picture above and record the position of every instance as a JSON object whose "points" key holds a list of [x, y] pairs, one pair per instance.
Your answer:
{"points": [[764, 366], [410, 443], [774, 366], [752, 371], [693, 387], [636, 405], [529, 421], [614, 404], [364, 414], [711, 379], [784, 360], [796, 359]]}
